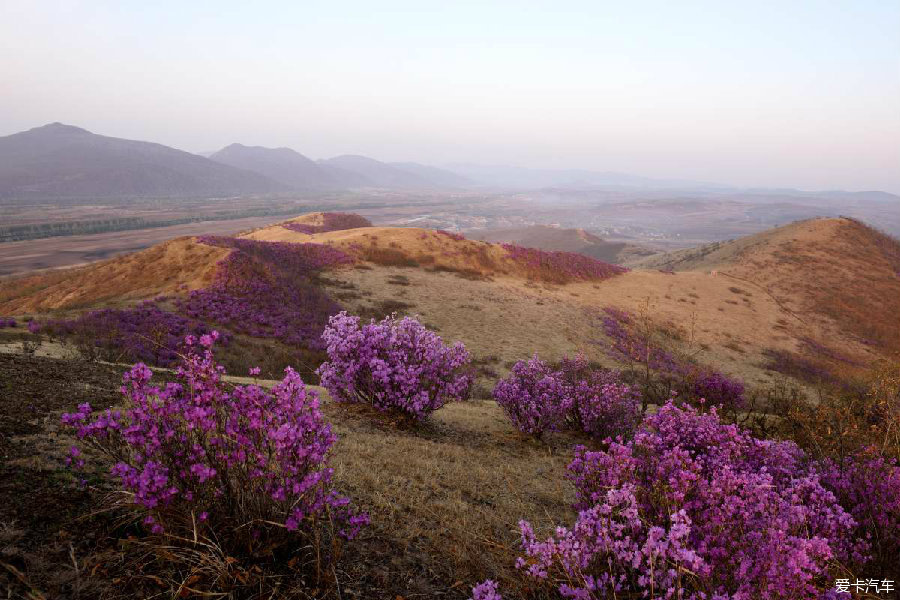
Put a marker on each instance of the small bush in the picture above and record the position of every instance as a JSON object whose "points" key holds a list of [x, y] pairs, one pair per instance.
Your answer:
{"points": [[602, 405], [537, 398], [239, 468], [534, 397], [397, 366]]}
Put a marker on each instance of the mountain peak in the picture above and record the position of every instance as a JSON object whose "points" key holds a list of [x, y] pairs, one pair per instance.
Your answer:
{"points": [[57, 127]]}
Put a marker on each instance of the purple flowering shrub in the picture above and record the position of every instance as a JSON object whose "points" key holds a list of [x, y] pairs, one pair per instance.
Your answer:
{"points": [[331, 222], [241, 465], [717, 389], [561, 267], [143, 333], [694, 508], [628, 346], [7, 322], [266, 289], [602, 405], [534, 397], [394, 365], [538, 397]]}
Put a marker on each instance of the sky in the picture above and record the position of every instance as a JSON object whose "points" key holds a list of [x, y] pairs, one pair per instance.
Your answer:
{"points": [[794, 93]]}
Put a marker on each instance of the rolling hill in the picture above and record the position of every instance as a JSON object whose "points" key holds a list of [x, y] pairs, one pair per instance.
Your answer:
{"points": [[787, 290], [62, 161], [568, 240]]}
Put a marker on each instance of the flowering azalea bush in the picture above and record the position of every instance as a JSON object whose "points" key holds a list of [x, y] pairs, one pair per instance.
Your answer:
{"points": [[717, 389], [395, 365], [601, 404], [534, 397], [486, 590], [693, 508], [331, 222], [562, 267], [7, 322], [242, 465], [537, 398]]}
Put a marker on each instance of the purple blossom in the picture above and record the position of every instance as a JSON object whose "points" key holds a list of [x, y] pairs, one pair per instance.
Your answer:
{"points": [[395, 365], [486, 590], [538, 398], [534, 397], [693, 508], [233, 455]]}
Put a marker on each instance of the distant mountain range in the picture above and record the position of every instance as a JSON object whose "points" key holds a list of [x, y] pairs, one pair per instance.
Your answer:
{"points": [[62, 161], [59, 160]]}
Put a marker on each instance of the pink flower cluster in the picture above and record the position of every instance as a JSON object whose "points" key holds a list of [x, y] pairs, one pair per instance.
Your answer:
{"points": [[331, 222], [453, 236], [240, 457], [563, 265], [534, 397], [868, 487], [693, 382], [265, 289], [140, 333], [539, 398], [697, 509], [262, 289], [394, 365]]}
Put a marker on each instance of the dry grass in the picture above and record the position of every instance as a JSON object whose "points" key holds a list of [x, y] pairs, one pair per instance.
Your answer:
{"points": [[445, 501]]}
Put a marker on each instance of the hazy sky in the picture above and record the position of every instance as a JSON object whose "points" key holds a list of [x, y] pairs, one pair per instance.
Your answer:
{"points": [[783, 93]]}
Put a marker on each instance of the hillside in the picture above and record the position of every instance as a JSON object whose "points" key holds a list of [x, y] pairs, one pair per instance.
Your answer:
{"points": [[567, 240], [57, 161], [837, 275], [776, 292]]}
